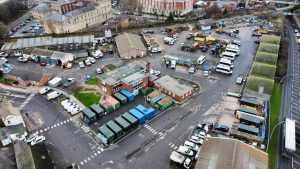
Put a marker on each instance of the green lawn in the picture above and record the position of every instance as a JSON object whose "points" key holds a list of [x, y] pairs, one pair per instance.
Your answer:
{"points": [[274, 119], [87, 98], [93, 81]]}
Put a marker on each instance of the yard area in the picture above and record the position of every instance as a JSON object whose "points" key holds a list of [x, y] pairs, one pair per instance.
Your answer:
{"points": [[274, 117], [87, 98], [92, 81]]}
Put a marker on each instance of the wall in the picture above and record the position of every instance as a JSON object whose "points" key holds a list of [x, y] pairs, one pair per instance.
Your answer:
{"points": [[133, 53]]}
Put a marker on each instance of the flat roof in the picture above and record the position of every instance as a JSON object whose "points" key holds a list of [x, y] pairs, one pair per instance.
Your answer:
{"points": [[114, 76], [227, 153], [133, 78], [173, 85]]}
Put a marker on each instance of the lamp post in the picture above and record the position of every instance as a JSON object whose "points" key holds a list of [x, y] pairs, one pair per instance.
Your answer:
{"points": [[284, 78], [273, 132]]}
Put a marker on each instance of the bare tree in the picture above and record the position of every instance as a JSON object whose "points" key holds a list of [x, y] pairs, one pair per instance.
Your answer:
{"points": [[131, 6]]}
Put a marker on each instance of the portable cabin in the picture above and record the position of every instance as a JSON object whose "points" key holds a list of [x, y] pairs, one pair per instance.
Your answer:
{"points": [[156, 99], [115, 128], [122, 99], [140, 116], [249, 102], [131, 119], [105, 134], [250, 120], [114, 102], [248, 129], [123, 123], [106, 106], [97, 109], [152, 95], [127, 94], [149, 113], [247, 110], [89, 115]]}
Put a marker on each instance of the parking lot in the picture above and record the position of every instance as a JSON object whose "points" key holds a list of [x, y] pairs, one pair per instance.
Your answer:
{"points": [[27, 28]]}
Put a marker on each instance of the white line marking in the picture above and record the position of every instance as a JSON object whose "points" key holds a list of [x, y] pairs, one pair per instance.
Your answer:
{"points": [[170, 143], [98, 152], [54, 125], [175, 147], [81, 163], [45, 129], [85, 160]]}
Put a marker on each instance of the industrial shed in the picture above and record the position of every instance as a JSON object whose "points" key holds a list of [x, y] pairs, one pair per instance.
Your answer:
{"points": [[130, 46]]}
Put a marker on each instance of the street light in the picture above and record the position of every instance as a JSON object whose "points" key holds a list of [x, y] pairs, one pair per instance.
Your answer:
{"points": [[273, 132], [285, 77]]}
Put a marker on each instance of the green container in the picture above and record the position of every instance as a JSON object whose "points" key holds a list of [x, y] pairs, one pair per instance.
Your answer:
{"points": [[122, 99], [146, 91]]}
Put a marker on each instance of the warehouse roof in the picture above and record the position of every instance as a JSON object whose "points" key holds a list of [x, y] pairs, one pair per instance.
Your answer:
{"points": [[229, 153], [126, 42], [173, 85]]}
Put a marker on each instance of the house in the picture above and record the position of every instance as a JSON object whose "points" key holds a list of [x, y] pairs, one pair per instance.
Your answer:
{"points": [[130, 46], [228, 5], [227, 153], [164, 7], [68, 21], [111, 81], [172, 87], [26, 77]]}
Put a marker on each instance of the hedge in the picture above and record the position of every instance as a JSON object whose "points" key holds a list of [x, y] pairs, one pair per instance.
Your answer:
{"points": [[254, 82], [268, 47], [265, 70], [270, 39], [265, 57]]}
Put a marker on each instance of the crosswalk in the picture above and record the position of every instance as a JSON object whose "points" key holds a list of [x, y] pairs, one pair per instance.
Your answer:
{"points": [[53, 126], [152, 130], [26, 101], [173, 146], [93, 155], [85, 128]]}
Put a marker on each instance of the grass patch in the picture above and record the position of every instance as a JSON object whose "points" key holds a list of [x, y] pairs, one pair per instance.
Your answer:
{"points": [[93, 81], [274, 119], [87, 98], [7, 81]]}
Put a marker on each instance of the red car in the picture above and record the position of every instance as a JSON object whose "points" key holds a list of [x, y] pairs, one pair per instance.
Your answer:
{"points": [[43, 63]]}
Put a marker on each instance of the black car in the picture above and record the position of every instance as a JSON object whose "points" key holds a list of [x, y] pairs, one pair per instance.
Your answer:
{"points": [[222, 128], [204, 49]]}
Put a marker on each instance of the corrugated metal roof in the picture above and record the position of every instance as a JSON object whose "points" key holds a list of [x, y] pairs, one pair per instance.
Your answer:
{"points": [[128, 41]]}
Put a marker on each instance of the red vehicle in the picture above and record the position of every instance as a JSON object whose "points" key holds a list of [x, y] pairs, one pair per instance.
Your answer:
{"points": [[43, 63], [18, 27]]}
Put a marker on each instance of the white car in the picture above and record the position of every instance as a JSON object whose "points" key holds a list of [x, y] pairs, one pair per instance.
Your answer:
{"points": [[81, 64], [201, 135], [3, 60], [63, 103], [70, 104], [70, 108], [97, 54], [296, 31], [192, 70], [3, 54], [196, 140], [38, 140], [76, 111], [91, 59], [36, 28], [31, 137], [22, 59], [17, 53], [44, 90], [87, 62], [185, 151], [99, 71], [154, 72]]}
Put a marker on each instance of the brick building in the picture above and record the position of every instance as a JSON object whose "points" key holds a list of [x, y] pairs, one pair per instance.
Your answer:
{"points": [[167, 6], [173, 88], [135, 81], [228, 5]]}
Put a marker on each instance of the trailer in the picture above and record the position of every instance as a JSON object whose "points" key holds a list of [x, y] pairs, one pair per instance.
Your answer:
{"points": [[131, 119], [114, 128], [128, 95], [149, 113], [122, 99], [105, 134], [55, 82], [88, 115], [249, 102], [165, 103], [140, 116], [123, 123], [97, 109], [112, 101]]}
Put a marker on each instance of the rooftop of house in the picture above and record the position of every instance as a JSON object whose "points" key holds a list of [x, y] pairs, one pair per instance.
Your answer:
{"points": [[173, 85], [134, 77]]}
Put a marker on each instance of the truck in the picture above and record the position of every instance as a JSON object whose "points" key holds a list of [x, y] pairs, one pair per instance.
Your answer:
{"points": [[55, 82], [180, 160], [169, 40], [215, 49], [53, 95]]}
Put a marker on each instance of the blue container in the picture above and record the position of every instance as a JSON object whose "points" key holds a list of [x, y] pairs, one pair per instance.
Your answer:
{"points": [[128, 95], [149, 113], [140, 116]]}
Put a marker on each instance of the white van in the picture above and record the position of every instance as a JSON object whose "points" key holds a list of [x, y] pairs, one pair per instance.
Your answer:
{"points": [[201, 60], [173, 64], [227, 62], [228, 55], [53, 95], [68, 105], [63, 103], [70, 109], [224, 69], [185, 151]]}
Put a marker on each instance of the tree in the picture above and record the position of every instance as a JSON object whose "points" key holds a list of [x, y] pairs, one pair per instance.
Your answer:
{"points": [[170, 17], [2, 30], [213, 12], [131, 6]]}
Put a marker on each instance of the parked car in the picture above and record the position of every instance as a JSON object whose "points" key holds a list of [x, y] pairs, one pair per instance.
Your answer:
{"points": [[155, 72], [44, 90], [17, 53], [191, 145], [192, 70], [81, 64], [38, 140], [69, 82], [22, 59], [185, 151], [3, 54], [222, 128], [87, 62], [31, 137], [76, 111], [91, 59], [69, 65], [240, 80], [196, 140], [99, 71], [43, 63], [3, 60]]}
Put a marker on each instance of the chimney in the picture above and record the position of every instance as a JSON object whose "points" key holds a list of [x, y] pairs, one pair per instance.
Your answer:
{"points": [[148, 67]]}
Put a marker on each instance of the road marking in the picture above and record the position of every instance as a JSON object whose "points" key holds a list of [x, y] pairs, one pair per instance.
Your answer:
{"points": [[65, 122], [170, 143], [95, 154], [58, 124], [88, 158], [98, 152], [85, 160], [81, 163], [68, 120], [92, 156], [41, 131], [175, 147], [54, 125]]}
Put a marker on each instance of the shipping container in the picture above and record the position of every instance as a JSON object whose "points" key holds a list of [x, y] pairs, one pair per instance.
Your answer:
{"points": [[248, 129], [165, 103], [250, 120], [122, 123], [140, 116], [122, 99], [105, 134], [249, 102], [114, 102], [98, 110], [87, 113], [149, 113], [127, 94], [131, 119], [247, 110], [115, 128], [146, 90], [156, 99], [106, 106], [152, 95]]}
